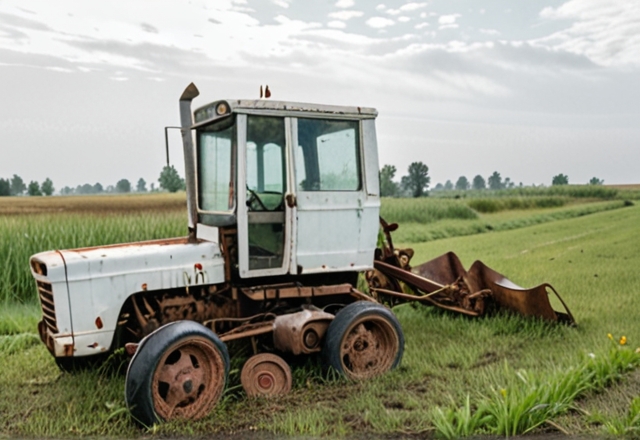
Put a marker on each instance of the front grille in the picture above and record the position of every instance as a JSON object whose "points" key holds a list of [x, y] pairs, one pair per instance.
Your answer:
{"points": [[48, 307]]}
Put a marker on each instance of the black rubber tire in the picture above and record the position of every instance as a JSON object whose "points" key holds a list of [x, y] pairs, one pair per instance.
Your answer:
{"points": [[379, 325], [152, 349]]}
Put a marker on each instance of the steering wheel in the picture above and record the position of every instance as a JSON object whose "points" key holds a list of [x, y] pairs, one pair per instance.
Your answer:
{"points": [[255, 199]]}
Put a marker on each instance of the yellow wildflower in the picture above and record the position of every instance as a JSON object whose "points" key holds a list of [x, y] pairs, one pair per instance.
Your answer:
{"points": [[503, 392], [638, 350], [610, 336], [623, 340]]}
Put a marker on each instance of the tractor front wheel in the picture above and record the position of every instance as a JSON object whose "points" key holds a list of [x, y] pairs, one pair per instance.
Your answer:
{"points": [[178, 372]]}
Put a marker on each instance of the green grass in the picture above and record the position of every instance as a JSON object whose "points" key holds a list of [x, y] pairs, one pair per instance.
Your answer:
{"points": [[574, 191], [424, 210], [454, 363], [497, 204], [410, 233]]}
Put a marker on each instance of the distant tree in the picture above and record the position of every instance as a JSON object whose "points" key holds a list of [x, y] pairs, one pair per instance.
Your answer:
{"points": [[141, 187], [462, 183], [596, 181], [34, 189], [439, 187], [560, 179], [152, 187], [47, 187], [479, 182], [508, 183], [170, 179], [5, 187], [17, 185], [417, 181], [110, 189], [123, 186], [97, 188], [448, 185], [66, 191], [388, 188], [495, 181]]}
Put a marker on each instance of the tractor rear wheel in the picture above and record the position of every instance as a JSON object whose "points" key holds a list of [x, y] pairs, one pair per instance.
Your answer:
{"points": [[364, 340]]}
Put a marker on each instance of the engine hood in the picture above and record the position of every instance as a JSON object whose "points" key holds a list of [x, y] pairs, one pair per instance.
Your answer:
{"points": [[183, 262]]}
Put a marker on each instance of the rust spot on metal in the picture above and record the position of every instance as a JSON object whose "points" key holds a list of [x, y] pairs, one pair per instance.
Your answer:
{"points": [[99, 323], [68, 350], [130, 348], [144, 286], [94, 345], [197, 266]]}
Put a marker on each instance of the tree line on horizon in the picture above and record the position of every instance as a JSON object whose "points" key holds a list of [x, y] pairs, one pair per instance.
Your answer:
{"points": [[169, 181], [416, 182]]}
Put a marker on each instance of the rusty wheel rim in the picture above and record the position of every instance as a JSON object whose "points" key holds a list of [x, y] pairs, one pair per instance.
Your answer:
{"points": [[188, 380], [266, 375], [369, 347]]}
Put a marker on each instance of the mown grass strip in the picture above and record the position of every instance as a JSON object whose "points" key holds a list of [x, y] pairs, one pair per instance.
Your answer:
{"points": [[421, 233]]}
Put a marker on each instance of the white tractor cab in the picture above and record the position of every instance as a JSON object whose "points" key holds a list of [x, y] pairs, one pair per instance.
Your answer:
{"points": [[283, 202]]}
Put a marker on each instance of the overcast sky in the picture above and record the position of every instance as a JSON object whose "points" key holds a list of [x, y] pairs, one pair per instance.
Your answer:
{"points": [[526, 88]]}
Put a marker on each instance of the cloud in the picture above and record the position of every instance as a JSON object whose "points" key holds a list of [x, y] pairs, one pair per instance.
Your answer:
{"points": [[489, 31], [605, 32], [412, 6], [404, 19], [448, 19], [148, 28], [336, 24], [281, 3], [379, 22], [421, 25], [346, 15], [345, 3]]}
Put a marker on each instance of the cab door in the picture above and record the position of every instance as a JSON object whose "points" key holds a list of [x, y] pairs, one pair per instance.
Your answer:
{"points": [[337, 206], [264, 219]]}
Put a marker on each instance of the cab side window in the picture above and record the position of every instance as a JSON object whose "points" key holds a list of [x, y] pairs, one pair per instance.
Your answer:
{"points": [[328, 155]]}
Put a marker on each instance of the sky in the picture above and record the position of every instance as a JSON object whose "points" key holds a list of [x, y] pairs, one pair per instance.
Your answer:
{"points": [[529, 89]]}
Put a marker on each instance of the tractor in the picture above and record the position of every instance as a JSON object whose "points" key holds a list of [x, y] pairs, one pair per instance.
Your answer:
{"points": [[283, 205]]}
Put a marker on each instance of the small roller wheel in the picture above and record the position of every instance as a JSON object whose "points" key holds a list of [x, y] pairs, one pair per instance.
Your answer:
{"points": [[178, 372], [266, 374], [364, 340]]}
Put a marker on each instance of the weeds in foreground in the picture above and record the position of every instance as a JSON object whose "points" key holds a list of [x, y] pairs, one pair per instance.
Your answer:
{"points": [[536, 401], [627, 425]]}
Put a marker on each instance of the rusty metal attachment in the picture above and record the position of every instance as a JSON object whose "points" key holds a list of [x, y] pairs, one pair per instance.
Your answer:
{"points": [[301, 332], [267, 375], [443, 282], [188, 380]]}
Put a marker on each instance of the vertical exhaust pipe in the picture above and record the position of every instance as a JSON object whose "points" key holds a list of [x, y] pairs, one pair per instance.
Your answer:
{"points": [[189, 156]]}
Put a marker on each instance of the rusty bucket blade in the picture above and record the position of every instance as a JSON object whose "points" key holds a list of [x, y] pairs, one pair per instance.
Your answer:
{"points": [[443, 282]]}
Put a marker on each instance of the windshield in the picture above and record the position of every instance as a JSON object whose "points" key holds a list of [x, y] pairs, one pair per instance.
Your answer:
{"points": [[216, 176]]}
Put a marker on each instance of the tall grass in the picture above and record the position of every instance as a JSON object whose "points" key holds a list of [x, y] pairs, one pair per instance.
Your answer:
{"points": [[573, 191], [29, 229], [424, 210], [496, 204]]}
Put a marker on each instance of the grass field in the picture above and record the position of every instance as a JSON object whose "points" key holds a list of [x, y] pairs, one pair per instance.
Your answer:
{"points": [[498, 375]]}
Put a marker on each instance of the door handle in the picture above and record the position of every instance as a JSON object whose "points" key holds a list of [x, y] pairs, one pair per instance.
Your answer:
{"points": [[290, 198]]}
